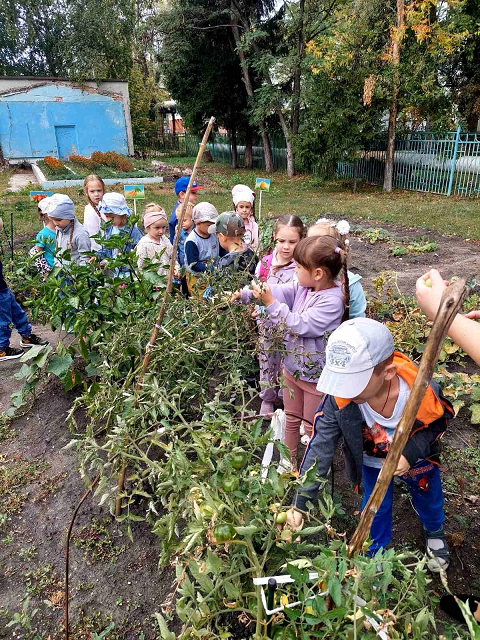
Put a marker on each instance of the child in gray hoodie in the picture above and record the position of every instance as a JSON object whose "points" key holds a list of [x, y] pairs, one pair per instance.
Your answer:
{"points": [[70, 233]]}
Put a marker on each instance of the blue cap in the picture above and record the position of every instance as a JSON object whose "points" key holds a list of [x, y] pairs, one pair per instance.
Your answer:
{"points": [[182, 184]]}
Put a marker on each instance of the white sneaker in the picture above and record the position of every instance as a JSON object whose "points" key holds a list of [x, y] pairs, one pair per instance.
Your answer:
{"points": [[305, 440]]}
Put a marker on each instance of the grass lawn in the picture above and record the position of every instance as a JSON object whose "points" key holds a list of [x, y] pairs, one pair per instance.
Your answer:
{"points": [[304, 195]]}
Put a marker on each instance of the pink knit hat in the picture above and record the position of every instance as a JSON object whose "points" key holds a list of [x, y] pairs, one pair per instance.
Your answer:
{"points": [[152, 216]]}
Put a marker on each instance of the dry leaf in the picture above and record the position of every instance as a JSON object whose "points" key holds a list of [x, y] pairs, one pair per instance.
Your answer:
{"points": [[457, 538]]}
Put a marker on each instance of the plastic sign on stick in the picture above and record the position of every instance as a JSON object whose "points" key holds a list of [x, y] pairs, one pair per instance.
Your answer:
{"points": [[36, 196], [262, 184], [134, 191]]}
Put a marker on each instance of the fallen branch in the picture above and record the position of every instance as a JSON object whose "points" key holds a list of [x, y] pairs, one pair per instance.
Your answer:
{"points": [[449, 306]]}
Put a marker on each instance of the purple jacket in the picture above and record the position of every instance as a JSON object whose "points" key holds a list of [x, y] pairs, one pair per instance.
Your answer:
{"points": [[281, 275], [308, 315]]}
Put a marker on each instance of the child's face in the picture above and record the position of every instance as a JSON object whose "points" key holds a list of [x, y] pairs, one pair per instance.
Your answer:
{"points": [[187, 223], [117, 221], [315, 279], [94, 191], [244, 209], [376, 383], [286, 240], [193, 196], [60, 223], [202, 227], [157, 229]]}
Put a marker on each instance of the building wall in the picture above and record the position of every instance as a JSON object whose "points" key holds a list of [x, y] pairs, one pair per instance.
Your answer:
{"points": [[40, 117]]}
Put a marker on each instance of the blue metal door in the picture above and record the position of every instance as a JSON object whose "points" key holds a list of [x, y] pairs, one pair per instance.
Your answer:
{"points": [[66, 140]]}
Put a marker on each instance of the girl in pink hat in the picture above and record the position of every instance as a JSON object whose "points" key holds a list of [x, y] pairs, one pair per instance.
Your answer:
{"points": [[156, 246]]}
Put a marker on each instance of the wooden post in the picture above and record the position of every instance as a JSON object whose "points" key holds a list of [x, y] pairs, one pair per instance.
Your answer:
{"points": [[449, 306], [158, 322]]}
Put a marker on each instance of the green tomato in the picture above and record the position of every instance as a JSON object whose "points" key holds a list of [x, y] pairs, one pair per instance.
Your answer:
{"points": [[281, 517], [239, 460], [224, 532], [230, 484], [206, 510]]}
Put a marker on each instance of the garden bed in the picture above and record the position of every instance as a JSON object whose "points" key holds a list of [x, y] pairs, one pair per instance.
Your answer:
{"points": [[112, 168]]}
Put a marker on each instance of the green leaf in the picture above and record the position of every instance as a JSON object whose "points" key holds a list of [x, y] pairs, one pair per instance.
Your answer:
{"points": [[33, 352], [335, 590], [475, 409], [59, 365], [246, 531], [165, 634]]}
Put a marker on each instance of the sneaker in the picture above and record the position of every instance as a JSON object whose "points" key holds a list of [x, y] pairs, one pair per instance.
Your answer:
{"points": [[32, 341], [437, 547], [305, 440], [10, 354], [266, 408]]}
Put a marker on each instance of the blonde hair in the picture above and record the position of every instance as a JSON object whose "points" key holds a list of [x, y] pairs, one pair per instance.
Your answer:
{"points": [[151, 207], [93, 178]]}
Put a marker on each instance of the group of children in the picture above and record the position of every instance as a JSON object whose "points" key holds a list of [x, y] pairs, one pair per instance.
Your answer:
{"points": [[353, 387]]}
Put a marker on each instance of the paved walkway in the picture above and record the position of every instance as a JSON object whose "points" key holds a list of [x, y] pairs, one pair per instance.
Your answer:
{"points": [[19, 180]]}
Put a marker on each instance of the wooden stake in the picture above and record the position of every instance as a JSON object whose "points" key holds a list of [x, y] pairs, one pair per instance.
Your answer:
{"points": [[158, 322], [449, 306]]}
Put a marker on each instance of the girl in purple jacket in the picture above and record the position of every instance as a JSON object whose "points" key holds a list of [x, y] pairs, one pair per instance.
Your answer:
{"points": [[307, 308], [275, 268]]}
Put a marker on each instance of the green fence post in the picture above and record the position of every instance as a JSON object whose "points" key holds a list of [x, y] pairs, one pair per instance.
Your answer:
{"points": [[454, 160]]}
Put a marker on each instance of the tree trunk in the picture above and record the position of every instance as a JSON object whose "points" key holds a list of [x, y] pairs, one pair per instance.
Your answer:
{"points": [[392, 121], [267, 152], [297, 72], [248, 149], [233, 144]]}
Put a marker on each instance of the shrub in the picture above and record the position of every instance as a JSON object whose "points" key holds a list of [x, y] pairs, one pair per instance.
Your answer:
{"points": [[88, 163], [54, 165], [112, 159]]}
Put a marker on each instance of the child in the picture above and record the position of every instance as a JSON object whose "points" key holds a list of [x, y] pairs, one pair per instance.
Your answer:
{"points": [[94, 189], [43, 250], [308, 308], [115, 209], [155, 245], [187, 227], [243, 200], [180, 188], [230, 228], [12, 313], [276, 268], [339, 231], [367, 385], [201, 246], [70, 234]]}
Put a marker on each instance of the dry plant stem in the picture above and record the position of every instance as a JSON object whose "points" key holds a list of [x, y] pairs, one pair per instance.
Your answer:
{"points": [[449, 306], [158, 322]]}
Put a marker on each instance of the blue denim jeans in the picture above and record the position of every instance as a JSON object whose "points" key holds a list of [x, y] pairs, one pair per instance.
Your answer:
{"points": [[11, 313], [425, 486]]}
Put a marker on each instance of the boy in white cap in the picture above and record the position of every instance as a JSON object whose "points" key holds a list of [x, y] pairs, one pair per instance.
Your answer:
{"points": [[201, 246], [367, 385], [71, 235]]}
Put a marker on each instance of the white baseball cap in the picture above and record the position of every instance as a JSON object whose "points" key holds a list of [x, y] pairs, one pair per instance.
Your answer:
{"points": [[204, 212], [353, 351]]}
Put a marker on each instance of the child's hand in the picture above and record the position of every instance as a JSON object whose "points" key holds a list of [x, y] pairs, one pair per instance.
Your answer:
{"points": [[294, 521], [429, 290], [473, 315], [235, 296], [402, 467], [262, 292]]}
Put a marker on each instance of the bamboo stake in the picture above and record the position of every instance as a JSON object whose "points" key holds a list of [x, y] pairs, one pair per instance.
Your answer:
{"points": [[449, 306], [158, 322]]}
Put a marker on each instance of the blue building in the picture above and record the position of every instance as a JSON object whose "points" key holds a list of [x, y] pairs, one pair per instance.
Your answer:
{"points": [[55, 117]]}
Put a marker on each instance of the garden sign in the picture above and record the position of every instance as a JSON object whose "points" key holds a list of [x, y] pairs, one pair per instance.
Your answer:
{"points": [[134, 192], [261, 184]]}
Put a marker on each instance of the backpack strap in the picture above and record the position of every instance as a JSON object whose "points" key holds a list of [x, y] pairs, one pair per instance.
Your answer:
{"points": [[265, 265]]}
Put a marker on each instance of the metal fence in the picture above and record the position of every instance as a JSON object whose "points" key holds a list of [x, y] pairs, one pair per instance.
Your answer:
{"points": [[445, 164]]}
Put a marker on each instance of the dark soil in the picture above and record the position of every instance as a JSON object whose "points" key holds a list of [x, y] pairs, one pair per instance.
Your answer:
{"points": [[126, 590], [453, 257]]}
